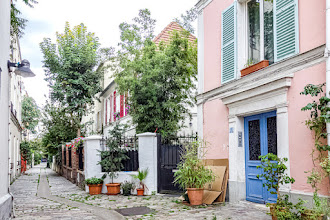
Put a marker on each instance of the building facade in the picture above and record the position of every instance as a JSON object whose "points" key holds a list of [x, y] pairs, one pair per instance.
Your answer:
{"points": [[5, 197], [15, 105], [245, 116]]}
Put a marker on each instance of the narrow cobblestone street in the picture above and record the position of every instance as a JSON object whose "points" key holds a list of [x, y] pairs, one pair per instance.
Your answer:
{"points": [[42, 194]]}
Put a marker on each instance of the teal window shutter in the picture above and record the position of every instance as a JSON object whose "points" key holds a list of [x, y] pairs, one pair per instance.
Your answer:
{"points": [[229, 44], [286, 35]]}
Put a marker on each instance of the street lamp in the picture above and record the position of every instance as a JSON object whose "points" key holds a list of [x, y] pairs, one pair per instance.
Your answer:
{"points": [[22, 69]]}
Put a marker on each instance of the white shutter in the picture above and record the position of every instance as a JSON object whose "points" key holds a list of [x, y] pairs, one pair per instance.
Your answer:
{"points": [[228, 44], [286, 32]]}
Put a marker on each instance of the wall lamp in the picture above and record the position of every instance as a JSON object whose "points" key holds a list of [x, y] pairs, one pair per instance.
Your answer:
{"points": [[22, 68]]}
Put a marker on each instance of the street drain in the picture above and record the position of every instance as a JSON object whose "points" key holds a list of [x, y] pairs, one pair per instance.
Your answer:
{"points": [[142, 210]]}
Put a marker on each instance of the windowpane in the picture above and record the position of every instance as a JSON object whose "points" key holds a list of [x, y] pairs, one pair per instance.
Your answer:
{"points": [[272, 135], [254, 31], [268, 31], [254, 139]]}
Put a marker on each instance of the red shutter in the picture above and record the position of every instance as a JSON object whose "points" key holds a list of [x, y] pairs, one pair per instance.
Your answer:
{"points": [[126, 105], [121, 106], [110, 107], [114, 106], [106, 111]]}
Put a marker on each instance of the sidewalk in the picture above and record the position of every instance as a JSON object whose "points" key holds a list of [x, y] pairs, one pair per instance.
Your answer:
{"points": [[58, 198]]}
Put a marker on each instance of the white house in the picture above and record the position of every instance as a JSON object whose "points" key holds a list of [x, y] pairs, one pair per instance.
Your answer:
{"points": [[5, 197]]}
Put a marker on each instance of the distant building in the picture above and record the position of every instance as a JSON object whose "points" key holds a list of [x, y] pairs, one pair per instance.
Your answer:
{"points": [[16, 92]]}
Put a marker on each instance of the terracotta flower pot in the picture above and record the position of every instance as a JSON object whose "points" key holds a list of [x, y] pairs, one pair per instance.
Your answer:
{"points": [[113, 188], [195, 196], [272, 211], [254, 67], [140, 192], [307, 215], [95, 189]]}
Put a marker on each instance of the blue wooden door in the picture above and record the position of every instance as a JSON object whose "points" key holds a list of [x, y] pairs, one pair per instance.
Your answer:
{"points": [[260, 138]]}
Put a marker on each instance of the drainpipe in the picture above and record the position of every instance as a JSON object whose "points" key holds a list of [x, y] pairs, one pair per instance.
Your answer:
{"points": [[327, 55]]}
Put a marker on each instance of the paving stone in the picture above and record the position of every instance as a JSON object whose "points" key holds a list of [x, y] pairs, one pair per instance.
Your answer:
{"points": [[29, 206]]}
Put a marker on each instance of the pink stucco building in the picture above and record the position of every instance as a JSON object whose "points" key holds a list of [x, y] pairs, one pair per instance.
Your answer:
{"points": [[243, 117]]}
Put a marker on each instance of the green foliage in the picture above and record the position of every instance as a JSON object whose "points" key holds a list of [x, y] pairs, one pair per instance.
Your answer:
{"points": [[187, 19], [93, 181], [286, 210], [141, 176], [30, 113], [70, 70], [319, 116], [159, 78], [18, 23], [274, 173], [191, 171], [112, 158], [25, 149], [59, 129], [127, 188], [37, 157]]}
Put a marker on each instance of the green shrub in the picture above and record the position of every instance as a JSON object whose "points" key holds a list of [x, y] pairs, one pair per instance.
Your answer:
{"points": [[191, 171], [127, 188], [93, 181]]}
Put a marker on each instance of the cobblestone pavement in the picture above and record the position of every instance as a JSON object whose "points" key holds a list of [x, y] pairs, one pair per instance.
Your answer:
{"points": [[29, 206]]}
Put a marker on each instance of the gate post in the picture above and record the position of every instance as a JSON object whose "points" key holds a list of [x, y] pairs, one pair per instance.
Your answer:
{"points": [[92, 156], [148, 154]]}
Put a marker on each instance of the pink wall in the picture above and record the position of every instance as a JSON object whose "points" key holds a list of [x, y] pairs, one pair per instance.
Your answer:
{"points": [[216, 129], [311, 24], [212, 43], [300, 137]]}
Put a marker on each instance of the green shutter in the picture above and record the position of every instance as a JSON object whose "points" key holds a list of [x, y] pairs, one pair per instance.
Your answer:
{"points": [[228, 47], [286, 28]]}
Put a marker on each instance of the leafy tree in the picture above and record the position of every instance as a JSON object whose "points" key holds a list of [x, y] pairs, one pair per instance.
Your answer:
{"points": [[30, 113], [59, 129], [70, 70], [159, 78], [18, 23], [186, 19]]}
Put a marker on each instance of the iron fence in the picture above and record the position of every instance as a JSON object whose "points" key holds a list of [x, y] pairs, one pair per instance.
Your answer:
{"points": [[70, 157], [64, 154], [130, 145], [81, 157]]}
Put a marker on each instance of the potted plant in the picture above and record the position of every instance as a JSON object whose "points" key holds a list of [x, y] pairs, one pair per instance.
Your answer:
{"points": [[112, 158], [94, 185], [127, 188], [253, 66], [141, 176], [192, 174], [274, 173]]}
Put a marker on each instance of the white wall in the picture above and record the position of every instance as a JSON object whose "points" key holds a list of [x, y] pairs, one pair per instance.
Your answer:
{"points": [[5, 200]]}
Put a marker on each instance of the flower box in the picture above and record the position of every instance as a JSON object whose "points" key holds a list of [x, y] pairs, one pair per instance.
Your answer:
{"points": [[254, 67]]}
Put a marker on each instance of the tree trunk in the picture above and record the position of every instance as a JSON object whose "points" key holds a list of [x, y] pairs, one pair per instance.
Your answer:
{"points": [[78, 132]]}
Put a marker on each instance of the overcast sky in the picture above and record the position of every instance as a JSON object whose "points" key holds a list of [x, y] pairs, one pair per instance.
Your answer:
{"points": [[100, 16]]}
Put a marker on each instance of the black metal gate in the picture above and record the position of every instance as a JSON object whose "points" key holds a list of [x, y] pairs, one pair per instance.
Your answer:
{"points": [[169, 150]]}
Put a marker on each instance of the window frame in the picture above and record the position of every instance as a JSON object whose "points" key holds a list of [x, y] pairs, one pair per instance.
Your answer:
{"points": [[262, 30]]}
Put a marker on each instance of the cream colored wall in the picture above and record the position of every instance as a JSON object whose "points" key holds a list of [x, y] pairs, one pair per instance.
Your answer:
{"points": [[4, 113]]}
